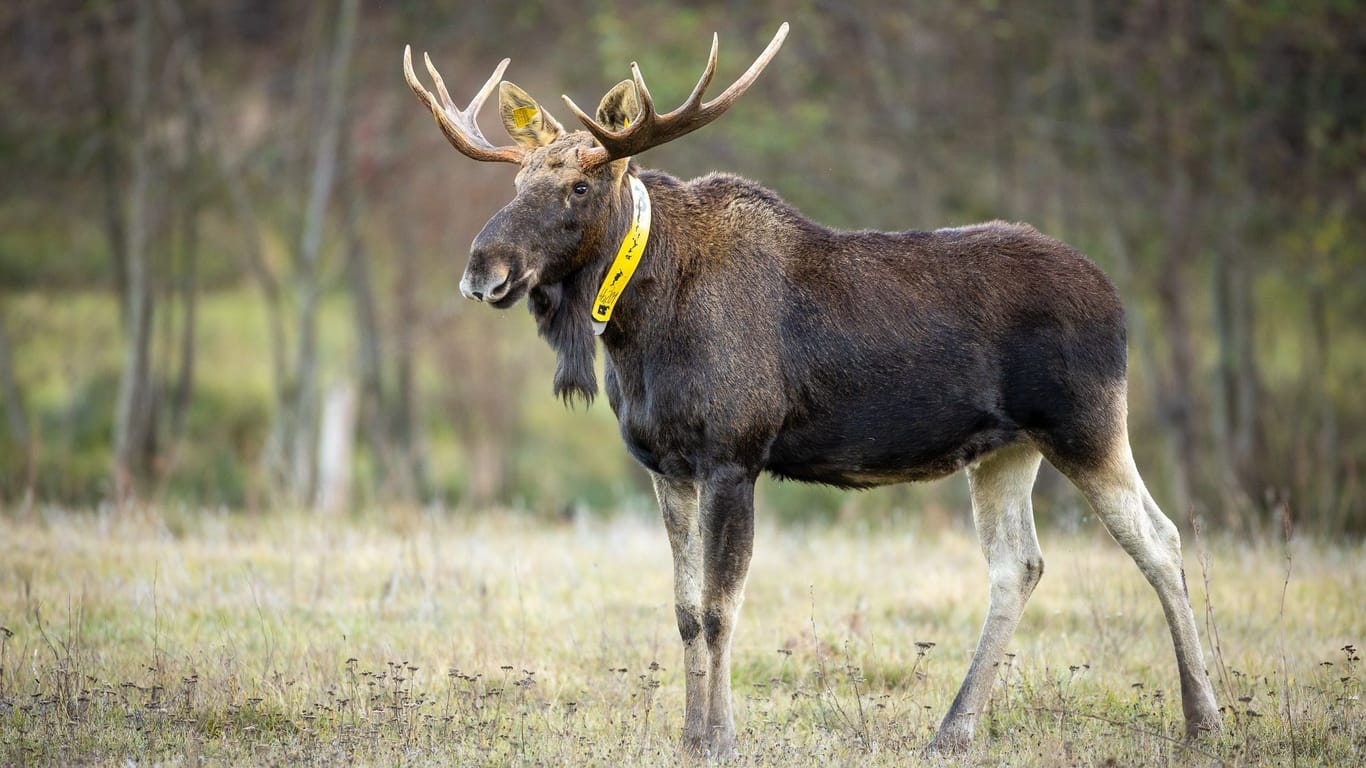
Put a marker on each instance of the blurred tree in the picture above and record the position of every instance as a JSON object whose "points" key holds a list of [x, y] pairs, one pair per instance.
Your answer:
{"points": [[109, 145], [369, 364], [134, 431], [203, 116], [188, 174], [292, 453], [16, 417]]}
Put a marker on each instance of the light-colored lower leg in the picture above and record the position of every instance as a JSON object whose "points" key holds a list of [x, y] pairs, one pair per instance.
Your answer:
{"points": [[727, 514], [1004, 517], [678, 501], [721, 617], [1118, 496]]}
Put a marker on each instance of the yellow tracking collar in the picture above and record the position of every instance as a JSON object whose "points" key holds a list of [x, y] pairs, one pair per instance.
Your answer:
{"points": [[628, 257]]}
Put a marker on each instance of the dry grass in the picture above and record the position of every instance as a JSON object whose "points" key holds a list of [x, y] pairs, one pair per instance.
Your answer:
{"points": [[189, 638]]}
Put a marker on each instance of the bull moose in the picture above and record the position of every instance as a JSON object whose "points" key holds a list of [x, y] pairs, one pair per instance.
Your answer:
{"points": [[741, 338]]}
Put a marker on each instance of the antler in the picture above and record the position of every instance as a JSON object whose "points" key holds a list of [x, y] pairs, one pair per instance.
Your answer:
{"points": [[651, 129], [460, 126]]}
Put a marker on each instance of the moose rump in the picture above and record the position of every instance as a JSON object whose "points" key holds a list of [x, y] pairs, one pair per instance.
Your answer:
{"points": [[908, 356]]}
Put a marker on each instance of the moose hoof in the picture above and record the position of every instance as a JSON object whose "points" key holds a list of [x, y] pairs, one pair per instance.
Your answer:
{"points": [[716, 747], [694, 745], [721, 747], [948, 743], [1198, 729]]}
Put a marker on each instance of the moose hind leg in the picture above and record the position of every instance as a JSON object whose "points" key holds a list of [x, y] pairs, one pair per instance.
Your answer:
{"points": [[1117, 494], [1003, 514], [678, 501]]}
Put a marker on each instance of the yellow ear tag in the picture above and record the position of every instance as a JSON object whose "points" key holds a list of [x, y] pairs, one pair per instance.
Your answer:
{"points": [[522, 116]]}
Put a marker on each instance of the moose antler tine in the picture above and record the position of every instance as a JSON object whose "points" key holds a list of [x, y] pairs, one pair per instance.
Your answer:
{"points": [[477, 102], [747, 79], [647, 102], [695, 97], [460, 127], [411, 77], [445, 95], [652, 129], [583, 117]]}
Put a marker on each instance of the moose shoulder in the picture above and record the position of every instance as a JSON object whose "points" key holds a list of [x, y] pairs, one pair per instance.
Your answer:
{"points": [[746, 338]]}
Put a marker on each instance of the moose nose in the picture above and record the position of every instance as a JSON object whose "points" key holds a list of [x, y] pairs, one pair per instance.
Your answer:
{"points": [[495, 260], [490, 287], [468, 290]]}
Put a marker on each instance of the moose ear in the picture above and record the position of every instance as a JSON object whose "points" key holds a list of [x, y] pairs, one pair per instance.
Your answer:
{"points": [[526, 122], [620, 107]]}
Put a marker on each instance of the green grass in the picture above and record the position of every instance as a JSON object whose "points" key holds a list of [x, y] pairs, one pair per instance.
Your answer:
{"points": [[172, 637]]}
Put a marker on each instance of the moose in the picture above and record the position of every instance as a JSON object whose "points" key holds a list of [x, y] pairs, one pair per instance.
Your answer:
{"points": [[742, 338]]}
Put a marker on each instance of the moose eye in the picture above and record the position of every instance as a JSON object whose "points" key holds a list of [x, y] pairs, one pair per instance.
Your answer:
{"points": [[580, 188]]}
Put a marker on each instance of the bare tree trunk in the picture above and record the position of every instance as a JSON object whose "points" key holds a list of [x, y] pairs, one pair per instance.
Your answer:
{"points": [[404, 418], [1179, 253], [188, 278], [1248, 438], [335, 440], [9, 387], [17, 418], [304, 406], [1227, 437], [1178, 408], [254, 262], [1238, 417], [375, 428], [108, 159], [1324, 484], [1327, 488], [253, 258], [132, 409], [252, 252]]}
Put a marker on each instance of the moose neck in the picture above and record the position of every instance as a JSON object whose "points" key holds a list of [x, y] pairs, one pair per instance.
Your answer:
{"points": [[627, 259], [633, 304], [563, 310]]}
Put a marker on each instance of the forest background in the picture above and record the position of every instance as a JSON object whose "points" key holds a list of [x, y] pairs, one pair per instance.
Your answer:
{"points": [[230, 238]]}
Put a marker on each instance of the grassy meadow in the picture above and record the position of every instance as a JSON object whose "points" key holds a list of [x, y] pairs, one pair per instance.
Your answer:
{"points": [[179, 638]]}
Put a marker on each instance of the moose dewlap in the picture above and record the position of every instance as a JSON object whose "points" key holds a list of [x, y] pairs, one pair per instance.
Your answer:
{"points": [[743, 338]]}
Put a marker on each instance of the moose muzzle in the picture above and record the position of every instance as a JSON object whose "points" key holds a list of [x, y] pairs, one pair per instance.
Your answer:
{"points": [[498, 272]]}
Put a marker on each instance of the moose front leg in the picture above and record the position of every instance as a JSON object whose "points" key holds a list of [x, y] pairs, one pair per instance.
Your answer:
{"points": [[678, 501], [727, 527]]}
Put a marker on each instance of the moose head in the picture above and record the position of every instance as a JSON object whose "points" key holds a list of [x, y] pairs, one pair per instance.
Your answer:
{"points": [[571, 186]]}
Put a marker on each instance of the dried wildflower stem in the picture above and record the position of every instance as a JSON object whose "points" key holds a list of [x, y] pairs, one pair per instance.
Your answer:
{"points": [[1183, 744], [1287, 529], [1211, 626]]}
